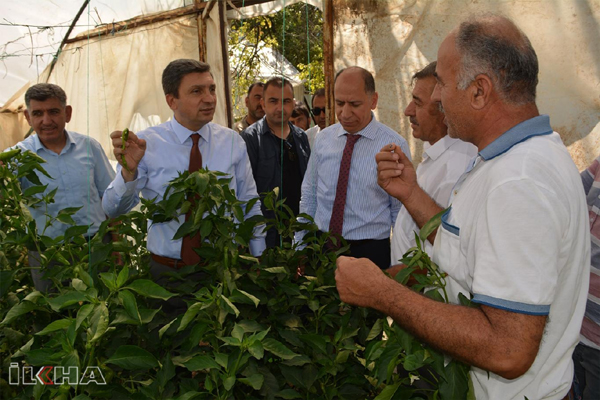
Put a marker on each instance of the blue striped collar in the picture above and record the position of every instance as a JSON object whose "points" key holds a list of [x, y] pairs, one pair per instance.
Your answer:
{"points": [[369, 131], [184, 133], [535, 126]]}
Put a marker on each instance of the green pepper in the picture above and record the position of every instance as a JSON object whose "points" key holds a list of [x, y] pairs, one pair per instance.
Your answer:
{"points": [[124, 137], [7, 155]]}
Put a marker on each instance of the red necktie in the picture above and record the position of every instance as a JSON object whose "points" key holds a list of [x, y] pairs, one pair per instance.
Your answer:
{"points": [[336, 223], [188, 255]]}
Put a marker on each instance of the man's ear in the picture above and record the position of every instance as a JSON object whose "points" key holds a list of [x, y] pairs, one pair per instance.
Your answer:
{"points": [[481, 90], [28, 117], [68, 113], [171, 101], [246, 100], [374, 100]]}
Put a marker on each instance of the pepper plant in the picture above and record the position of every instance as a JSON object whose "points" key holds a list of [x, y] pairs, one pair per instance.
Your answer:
{"points": [[234, 326]]}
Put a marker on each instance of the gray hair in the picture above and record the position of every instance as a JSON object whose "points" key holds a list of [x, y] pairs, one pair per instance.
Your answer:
{"points": [[45, 91], [507, 58], [174, 72]]}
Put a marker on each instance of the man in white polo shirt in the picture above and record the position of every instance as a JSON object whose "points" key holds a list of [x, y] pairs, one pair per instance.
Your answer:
{"points": [[444, 158], [516, 238]]}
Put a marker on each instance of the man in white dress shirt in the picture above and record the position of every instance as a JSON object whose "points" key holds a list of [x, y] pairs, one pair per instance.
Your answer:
{"points": [[444, 158]]}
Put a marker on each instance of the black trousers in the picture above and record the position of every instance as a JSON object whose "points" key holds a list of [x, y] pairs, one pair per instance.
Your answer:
{"points": [[376, 250]]}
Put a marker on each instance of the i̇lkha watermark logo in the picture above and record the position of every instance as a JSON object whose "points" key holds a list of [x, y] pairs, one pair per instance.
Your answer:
{"points": [[50, 375]]}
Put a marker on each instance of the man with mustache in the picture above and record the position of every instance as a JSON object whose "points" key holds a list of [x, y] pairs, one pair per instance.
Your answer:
{"points": [[340, 188], [254, 106], [516, 238], [444, 158], [78, 167], [158, 154]]}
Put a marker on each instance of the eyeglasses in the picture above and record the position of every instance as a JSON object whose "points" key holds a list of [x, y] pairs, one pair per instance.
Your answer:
{"points": [[317, 111]]}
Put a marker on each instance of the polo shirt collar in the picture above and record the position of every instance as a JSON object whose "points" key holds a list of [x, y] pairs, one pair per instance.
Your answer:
{"points": [[369, 131], [184, 133], [536, 126], [439, 147], [37, 143]]}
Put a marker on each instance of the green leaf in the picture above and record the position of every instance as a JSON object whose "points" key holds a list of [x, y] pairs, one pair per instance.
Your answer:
{"points": [[123, 276], [237, 332], [256, 381], [431, 225], [130, 304], [147, 288], [83, 313], [276, 270], [278, 348], [189, 315], [388, 392], [288, 394], [240, 293], [297, 361], [98, 323], [16, 311], [79, 285], [165, 328], [230, 307], [6, 280], [66, 300], [257, 350], [231, 341], [456, 384], [316, 342], [110, 280], [229, 382], [33, 190], [200, 363], [74, 231], [55, 326], [375, 330], [166, 373], [133, 357]]}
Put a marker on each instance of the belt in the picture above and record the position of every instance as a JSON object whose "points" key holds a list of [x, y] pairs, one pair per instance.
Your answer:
{"points": [[169, 262], [358, 242]]}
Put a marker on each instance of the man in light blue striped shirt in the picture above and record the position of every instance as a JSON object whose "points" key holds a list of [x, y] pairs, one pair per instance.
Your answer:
{"points": [[369, 212]]}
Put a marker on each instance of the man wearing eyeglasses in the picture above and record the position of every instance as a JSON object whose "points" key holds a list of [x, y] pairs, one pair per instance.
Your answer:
{"points": [[278, 150], [319, 115]]}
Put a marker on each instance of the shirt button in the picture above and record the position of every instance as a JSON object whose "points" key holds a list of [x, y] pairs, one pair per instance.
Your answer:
{"points": [[455, 192]]}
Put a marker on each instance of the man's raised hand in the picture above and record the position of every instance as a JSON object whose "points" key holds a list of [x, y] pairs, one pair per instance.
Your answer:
{"points": [[128, 156]]}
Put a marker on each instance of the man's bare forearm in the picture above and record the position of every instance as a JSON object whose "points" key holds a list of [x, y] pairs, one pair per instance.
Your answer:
{"points": [[498, 341]]}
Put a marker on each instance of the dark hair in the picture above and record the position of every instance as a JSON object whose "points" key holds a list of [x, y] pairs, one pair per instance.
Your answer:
{"points": [[367, 77], [45, 91], [428, 71], [277, 81], [174, 72], [485, 47], [259, 84], [318, 93], [300, 108]]}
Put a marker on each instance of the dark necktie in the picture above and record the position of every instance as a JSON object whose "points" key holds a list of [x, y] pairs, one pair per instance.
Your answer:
{"points": [[337, 214], [188, 255]]}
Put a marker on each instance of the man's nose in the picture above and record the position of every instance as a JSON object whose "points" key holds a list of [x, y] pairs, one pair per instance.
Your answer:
{"points": [[409, 111]]}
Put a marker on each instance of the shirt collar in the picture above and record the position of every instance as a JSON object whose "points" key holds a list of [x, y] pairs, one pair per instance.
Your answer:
{"points": [[439, 147], [369, 131], [536, 126], [264, 127], [37, 143], [184, 133]]}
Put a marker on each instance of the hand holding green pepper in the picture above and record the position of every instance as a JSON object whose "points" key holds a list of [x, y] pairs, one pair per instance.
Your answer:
{"points": [[129, 151]]}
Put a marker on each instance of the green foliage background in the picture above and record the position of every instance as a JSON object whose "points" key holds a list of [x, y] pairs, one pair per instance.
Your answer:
{"points": [[231, 327], [296, 32]]}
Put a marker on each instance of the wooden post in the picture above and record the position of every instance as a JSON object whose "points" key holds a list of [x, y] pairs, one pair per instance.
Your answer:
{"points": [[329, 71]]}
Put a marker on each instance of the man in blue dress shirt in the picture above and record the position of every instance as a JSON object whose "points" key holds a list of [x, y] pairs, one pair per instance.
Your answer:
{"points": [[75, 162], [368, 212], [158, 154]]}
